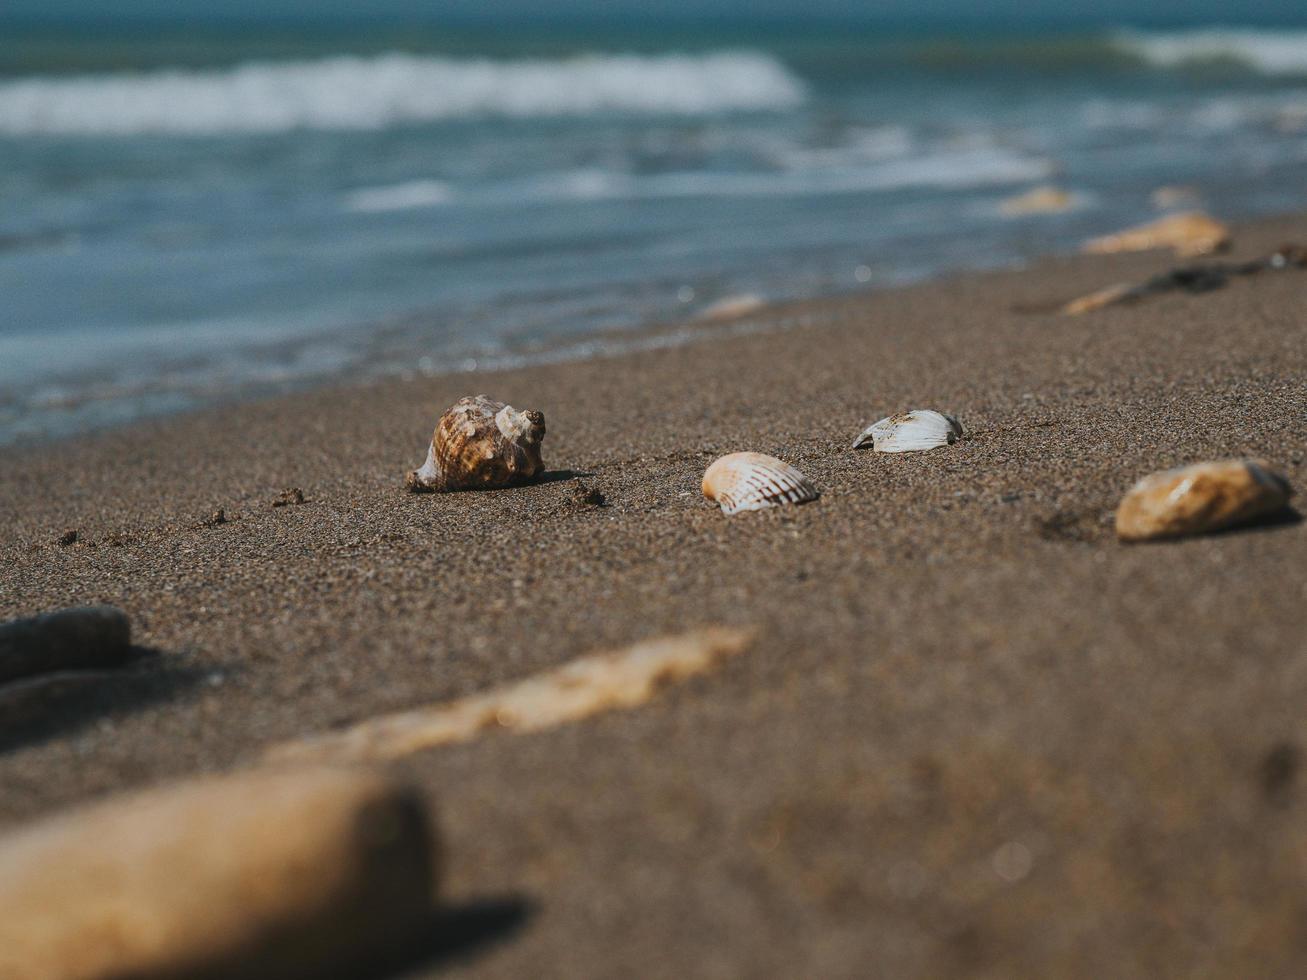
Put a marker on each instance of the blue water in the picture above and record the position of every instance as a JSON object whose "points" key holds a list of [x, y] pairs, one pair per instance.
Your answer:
{"points": [[190, 217]]}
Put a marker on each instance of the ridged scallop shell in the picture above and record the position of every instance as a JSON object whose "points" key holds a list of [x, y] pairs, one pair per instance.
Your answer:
{"points": [[909, 432], [1200, 498], [754, 481], [480, 444]]}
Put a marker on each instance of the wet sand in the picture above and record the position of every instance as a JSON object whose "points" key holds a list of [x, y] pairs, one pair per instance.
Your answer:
{"points": [[975, 735]]}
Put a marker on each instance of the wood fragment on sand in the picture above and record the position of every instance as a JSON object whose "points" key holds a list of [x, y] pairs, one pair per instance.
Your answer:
{"points": [[587, 686], [1200, 277]]}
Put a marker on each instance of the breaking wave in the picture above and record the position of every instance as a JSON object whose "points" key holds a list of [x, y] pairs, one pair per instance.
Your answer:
{"points": [[393, 89], [1267, 52]]}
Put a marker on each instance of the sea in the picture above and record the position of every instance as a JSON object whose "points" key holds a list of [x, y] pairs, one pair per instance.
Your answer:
{"points": [[189, 216]]}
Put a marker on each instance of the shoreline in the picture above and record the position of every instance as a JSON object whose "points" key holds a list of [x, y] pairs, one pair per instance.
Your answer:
{"points": [[975, 735], [601, 344], [605, 343]]}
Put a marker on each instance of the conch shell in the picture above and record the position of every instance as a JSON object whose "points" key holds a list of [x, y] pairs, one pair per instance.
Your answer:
{"points": [[1200, 498], [1190, 234], [480, 444], [754, 481], [914, 431]]}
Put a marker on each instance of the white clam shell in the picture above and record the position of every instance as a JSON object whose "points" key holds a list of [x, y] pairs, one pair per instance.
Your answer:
{"points": [[913, 431], [754, 481]]}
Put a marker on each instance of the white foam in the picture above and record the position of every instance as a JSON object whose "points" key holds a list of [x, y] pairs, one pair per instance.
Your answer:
{"points": [[950, 168], [1269, 52], [392, 89], [399, 197]]}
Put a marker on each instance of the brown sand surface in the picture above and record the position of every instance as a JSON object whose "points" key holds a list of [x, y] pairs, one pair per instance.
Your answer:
{"points": [[975, 736]]}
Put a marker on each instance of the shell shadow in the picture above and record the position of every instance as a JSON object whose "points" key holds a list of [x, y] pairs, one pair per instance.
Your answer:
{"points": [[1084, 526], [549, 476], [1285, 517], [36, 709], [454, 933], [559, 476]]}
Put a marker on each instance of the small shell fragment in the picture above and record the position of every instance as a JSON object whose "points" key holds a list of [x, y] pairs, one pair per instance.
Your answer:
{"points": [[914, 431], [480, 444], [732, 307], [1041, 200], [754, 481], [1200, 498], [1190, 234]]}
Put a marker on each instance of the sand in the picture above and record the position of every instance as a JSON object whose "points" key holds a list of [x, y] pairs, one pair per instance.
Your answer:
{"points": [[975, 735]]}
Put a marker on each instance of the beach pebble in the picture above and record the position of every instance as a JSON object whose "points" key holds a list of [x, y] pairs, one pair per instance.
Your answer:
{"points": [[81, 638], [1190, 234], [261, 875], [1200, 498], [290, 497], [584, 495]]}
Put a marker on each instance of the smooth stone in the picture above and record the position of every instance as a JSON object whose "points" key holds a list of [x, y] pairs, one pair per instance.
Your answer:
{"points": [[265, 874], [1200, 498], [80, 638]]}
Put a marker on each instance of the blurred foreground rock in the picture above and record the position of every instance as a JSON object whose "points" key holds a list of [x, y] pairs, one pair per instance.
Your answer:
{"points": [[266, 874]]}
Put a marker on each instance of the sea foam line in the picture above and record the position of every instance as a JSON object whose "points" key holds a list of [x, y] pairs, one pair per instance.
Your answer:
{"points": [[1268, 52], [392, 89]]}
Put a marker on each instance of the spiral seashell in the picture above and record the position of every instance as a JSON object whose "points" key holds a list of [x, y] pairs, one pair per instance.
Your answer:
{"points": [[1200, 498], [914, 431], [754, 481], [480, 444]]}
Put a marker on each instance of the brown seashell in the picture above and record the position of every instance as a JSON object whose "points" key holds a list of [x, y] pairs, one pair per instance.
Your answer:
{"points": [[480, 444], [1192, 233], [1200, 498], [754, 481]]}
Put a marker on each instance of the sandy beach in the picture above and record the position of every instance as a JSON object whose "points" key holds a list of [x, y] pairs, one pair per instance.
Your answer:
{"points": [[974, 736]]}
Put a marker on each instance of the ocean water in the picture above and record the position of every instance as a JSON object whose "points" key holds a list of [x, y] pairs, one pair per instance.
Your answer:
{"points": [[186, 218]]}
